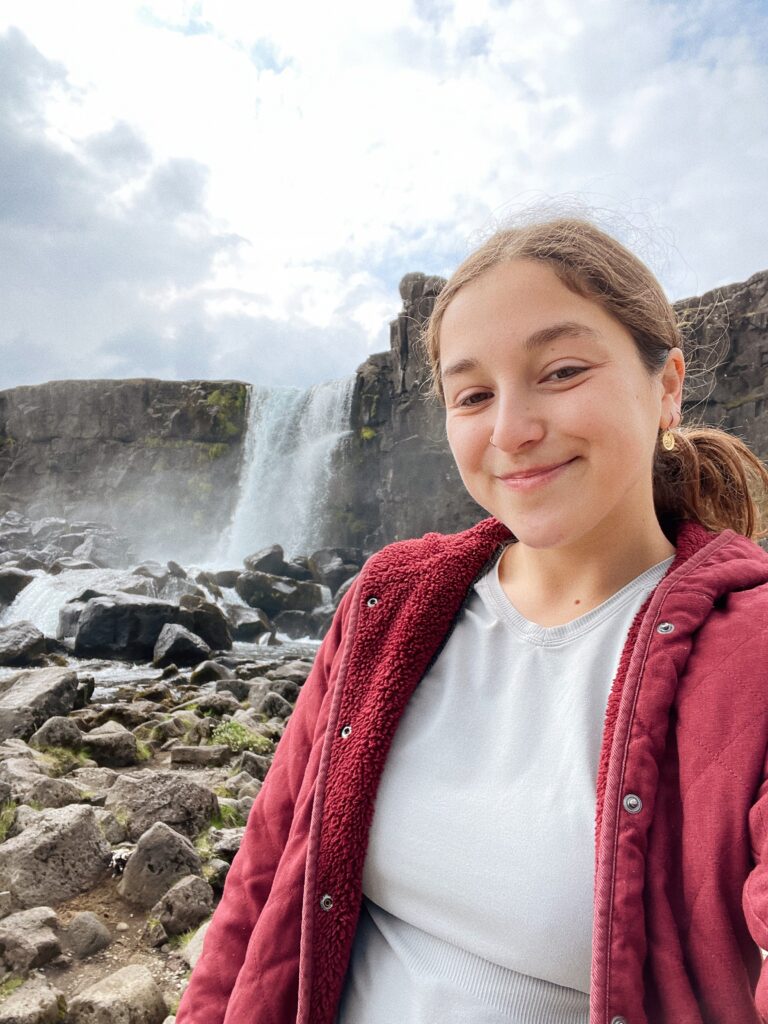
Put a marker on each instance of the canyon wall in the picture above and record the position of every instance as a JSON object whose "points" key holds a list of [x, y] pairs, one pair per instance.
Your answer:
{"points": [[161, 460]]}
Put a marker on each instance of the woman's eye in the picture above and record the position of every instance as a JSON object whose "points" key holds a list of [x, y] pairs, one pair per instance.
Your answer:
{"points": [[474, 399], [567, 372]]}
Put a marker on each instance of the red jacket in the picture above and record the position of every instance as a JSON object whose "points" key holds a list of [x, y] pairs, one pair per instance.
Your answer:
{"points": [[681, 884]]}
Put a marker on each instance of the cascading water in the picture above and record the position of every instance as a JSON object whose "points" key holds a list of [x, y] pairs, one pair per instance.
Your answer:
{"points": [[286, 468]]}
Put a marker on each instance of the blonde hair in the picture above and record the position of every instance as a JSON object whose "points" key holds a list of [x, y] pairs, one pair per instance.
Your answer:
{"points": [[710, 476]]}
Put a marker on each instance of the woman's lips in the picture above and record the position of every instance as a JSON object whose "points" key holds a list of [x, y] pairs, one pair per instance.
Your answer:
{"points": [[534, 478]]}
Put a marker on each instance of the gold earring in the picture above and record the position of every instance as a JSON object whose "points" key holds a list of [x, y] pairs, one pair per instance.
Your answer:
{"points": [[668, 440]]}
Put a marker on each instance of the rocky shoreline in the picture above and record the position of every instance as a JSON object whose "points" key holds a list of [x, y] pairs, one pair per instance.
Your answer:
{"points": [[121, 810]]}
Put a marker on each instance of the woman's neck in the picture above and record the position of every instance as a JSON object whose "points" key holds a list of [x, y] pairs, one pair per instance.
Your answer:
{"points": [[553, 586]]}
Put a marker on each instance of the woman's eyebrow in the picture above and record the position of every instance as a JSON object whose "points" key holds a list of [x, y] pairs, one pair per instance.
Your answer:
{"points": [[534, 341]]}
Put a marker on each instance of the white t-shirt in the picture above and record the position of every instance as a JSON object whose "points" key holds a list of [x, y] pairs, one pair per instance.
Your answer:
{"points": [[478, 878]]}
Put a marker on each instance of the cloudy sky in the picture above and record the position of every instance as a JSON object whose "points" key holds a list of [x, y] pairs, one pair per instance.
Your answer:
{"points": [[220, 189]]}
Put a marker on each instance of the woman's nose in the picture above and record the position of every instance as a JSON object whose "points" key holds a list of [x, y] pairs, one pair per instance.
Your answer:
{"points": [[515, 425]]}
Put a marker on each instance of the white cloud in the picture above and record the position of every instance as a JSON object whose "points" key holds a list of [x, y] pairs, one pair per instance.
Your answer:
{"points": [[262, 175]]}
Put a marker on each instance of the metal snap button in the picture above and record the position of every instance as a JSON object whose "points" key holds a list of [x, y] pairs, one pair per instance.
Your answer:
{"points": [[346, 731], [633, 803], [326, 902], [665, 627], [372, 602], [618, 1020]]}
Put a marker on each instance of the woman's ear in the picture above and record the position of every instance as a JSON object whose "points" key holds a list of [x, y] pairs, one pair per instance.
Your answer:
{"points": [[672, 377]]}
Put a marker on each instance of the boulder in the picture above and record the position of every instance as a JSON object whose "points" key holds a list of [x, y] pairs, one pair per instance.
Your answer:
{"points": [[53, 792], [297, 625], [12, 582], [27, 699], [296, 670], [111, 745], [225, 842], [248, 623], [57, 732], [21, 643], [35, 1002], [275, 706], [20, 774], [145, 797], [206, 620], [332, 566], [162, 856], [180, 646], [192, 950], [86, 934], [269, 559], [129, 996], [59, 855], [208, 670], [123, 625], [28, 939], [217, 704], [212, 756], [273, 594], [188, 902]]}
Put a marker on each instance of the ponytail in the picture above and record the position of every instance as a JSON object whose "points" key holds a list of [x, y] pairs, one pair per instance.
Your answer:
{"points": [[712, 477]]}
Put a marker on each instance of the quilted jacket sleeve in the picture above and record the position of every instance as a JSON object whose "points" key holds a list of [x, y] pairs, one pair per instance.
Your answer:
{"points": [[250, 876], [755, 892]]}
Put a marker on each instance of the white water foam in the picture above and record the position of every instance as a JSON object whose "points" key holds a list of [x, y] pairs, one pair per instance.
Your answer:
{"points": [[289, 445]]}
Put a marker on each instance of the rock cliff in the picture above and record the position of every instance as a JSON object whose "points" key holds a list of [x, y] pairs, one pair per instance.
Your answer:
{"points": [[161, 459], [395, 477], [158, 459]]}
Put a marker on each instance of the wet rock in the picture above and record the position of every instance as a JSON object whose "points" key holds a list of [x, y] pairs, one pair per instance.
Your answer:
{"points": [[27, 699], [28, 939], [58, 731], [298, 569], [123, 625], [273, 594], [248, 624], [12, 582], [86, 934], [343, 589], [333, 566], [111, 745], [145, 797], [162, 856], [188, 902], [22, 643], [129, 996], [269, 559], [239, 688], [296, 625], [35, 1002], [180, 646], [206, 620], [59, 855]]}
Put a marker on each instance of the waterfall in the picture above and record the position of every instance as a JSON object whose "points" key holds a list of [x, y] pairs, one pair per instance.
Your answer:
{"points": [[39, 602], [290, 440]]}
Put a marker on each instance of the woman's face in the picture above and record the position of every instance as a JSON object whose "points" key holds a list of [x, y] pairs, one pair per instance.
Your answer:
{"points": [[551, 416]]}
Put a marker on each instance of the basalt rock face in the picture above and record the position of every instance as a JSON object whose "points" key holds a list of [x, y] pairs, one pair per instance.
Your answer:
{"points": [[395, 476], [155, 458]]}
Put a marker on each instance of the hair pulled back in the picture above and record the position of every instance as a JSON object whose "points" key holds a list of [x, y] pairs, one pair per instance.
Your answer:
{"points": [[710, 476]]}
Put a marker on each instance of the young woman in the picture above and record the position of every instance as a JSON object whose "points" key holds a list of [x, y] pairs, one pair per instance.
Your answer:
{"points": [[526, 779]]}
